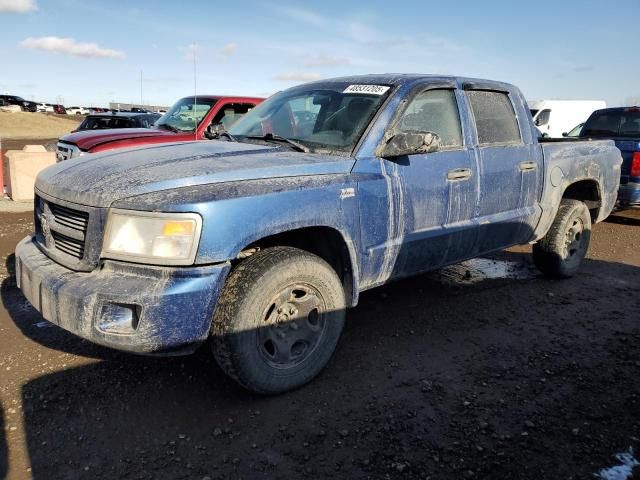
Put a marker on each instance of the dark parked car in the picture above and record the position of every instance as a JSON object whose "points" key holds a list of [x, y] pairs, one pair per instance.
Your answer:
{"points": [[25, 105], [103, 121], [622, 125]]}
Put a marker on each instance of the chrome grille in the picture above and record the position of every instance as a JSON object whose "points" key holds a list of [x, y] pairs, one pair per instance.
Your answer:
{"points": [[61, 230], [70, 218], [65, 151], [68, 245]]}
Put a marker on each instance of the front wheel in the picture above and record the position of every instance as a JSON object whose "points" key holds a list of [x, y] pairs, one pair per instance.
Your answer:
{"points": [[560, 253], [278, 319]]}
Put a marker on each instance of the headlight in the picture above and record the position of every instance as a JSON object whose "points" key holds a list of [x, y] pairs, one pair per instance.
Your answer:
{"points": [[74, 152], [160, 238]]}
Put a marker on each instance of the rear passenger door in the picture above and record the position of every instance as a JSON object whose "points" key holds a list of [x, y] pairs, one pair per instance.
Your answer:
{"points": [[509, 171]]}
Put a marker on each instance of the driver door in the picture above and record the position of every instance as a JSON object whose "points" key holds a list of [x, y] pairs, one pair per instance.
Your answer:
{"points": [[431, 196]]}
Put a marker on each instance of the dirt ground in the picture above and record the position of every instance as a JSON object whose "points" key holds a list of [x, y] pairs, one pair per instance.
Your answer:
{"points": [[485, 370], [36, 125]]}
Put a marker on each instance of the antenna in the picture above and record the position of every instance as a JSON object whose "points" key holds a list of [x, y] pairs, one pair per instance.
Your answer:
{"points": [[141, 102], [195, 92]]}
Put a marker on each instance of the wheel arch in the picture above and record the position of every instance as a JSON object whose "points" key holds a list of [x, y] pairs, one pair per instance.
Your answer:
{"points": [[586, 190], [328, 243]]}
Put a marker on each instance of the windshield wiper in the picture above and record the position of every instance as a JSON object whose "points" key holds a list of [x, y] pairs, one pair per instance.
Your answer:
{"points": [[171, 128], [270, 137]]}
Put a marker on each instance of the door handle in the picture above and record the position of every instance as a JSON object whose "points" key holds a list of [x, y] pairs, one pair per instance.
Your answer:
{"points": [[528, 166], [459, 174]]}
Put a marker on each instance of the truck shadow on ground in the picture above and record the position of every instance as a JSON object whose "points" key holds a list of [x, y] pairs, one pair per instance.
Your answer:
{"points": [[399, 394], [33, 326], [625, 217], [4, 453]]}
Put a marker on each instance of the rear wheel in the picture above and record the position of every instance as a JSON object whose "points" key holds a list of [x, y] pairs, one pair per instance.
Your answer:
{"points": [[278, 320], [560, 253]]}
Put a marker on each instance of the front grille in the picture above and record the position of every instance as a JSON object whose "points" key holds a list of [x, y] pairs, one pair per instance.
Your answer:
{"points": [[69, 235], [68, 245], [64, 151], [70, 218]]}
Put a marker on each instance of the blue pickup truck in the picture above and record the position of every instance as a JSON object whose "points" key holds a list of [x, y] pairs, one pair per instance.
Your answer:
{"points": [[258, 241], [622, 125]]}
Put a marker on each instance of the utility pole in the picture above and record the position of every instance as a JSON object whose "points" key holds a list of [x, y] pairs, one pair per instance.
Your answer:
{"points": [[141, 101]]}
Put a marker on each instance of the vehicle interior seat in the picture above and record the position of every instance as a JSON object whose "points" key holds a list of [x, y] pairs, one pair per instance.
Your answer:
{"points": [[349, 119]]}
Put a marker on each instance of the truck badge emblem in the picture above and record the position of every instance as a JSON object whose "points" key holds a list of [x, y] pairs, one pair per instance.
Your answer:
{"points": [[46, 228]]}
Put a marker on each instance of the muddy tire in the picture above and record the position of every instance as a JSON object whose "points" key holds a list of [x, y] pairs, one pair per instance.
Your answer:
{"points": [[560, 253], [278, 320]]}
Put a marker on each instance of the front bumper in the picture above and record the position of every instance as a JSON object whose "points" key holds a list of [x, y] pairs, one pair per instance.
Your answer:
{"points": [[629, 193], [136, 308]]}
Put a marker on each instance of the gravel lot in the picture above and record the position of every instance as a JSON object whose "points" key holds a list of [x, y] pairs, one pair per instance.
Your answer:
{"points": [[484, 370]]}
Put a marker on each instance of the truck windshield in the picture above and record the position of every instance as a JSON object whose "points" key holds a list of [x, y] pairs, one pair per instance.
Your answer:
{"points": [[331, 118], [607, 124], [186, 114]]}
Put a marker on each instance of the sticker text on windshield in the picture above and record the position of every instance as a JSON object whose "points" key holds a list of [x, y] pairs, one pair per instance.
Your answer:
{"points": [[368, 89]]}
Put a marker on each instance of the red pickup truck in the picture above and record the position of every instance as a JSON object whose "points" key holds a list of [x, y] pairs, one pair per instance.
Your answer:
{"points": [[187, 120]]}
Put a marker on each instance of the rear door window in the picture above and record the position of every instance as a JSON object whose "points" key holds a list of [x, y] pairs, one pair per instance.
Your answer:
{"points": [[495, 117]]}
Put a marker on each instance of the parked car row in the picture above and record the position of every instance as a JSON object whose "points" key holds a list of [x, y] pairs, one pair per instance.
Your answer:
{"points": [[258, 241], [188, 119], [31, 106]]}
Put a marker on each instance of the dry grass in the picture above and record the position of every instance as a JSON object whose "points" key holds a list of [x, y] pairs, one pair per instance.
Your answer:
{"points": [[35, 125]]}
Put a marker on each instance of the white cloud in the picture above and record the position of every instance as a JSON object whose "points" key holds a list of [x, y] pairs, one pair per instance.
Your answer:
{"points": [[197, 51], [18, 6], [69, 46], [298, 76], [302, 15], [325, 61], [229, 48]]}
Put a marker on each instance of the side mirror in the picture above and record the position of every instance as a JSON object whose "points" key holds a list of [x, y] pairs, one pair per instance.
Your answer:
{"points": [[214, 131], [411, 143], [565, 134]]}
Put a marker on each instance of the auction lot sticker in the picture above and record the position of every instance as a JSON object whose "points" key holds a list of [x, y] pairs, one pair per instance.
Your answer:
{"points": [[368, 89]]}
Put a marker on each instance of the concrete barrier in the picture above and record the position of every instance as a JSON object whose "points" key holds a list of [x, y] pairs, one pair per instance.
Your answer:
{"points": [[2, 189], [23, 167]]}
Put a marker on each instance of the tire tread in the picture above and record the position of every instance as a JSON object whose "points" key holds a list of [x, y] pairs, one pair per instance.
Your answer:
{"points": [[242, 277], [546, 250]]}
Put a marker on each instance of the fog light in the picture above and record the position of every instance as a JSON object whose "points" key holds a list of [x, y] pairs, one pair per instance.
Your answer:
{"points": [[118, 319]]}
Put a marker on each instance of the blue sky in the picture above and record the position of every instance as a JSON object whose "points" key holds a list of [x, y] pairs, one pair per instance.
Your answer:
{"points": [[92, 51]]}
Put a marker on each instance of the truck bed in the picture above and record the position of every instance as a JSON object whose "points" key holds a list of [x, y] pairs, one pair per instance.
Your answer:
{"points": [[593, 163]]}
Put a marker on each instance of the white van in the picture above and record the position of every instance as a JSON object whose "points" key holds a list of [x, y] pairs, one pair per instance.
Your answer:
{"points": [[555, 117]]}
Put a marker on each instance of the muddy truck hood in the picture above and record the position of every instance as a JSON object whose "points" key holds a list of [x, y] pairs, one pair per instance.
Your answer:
{"points": [[87, 139], [100, 179]]}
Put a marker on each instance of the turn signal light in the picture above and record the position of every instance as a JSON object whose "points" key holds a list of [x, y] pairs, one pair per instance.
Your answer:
{"points": [[178, 228]]}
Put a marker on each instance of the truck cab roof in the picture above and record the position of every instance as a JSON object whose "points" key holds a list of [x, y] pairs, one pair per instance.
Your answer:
{"points": [[402, 79]]}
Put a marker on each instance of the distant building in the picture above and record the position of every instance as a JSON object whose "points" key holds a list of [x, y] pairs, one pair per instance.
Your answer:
{"points": [[129, 106]]}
